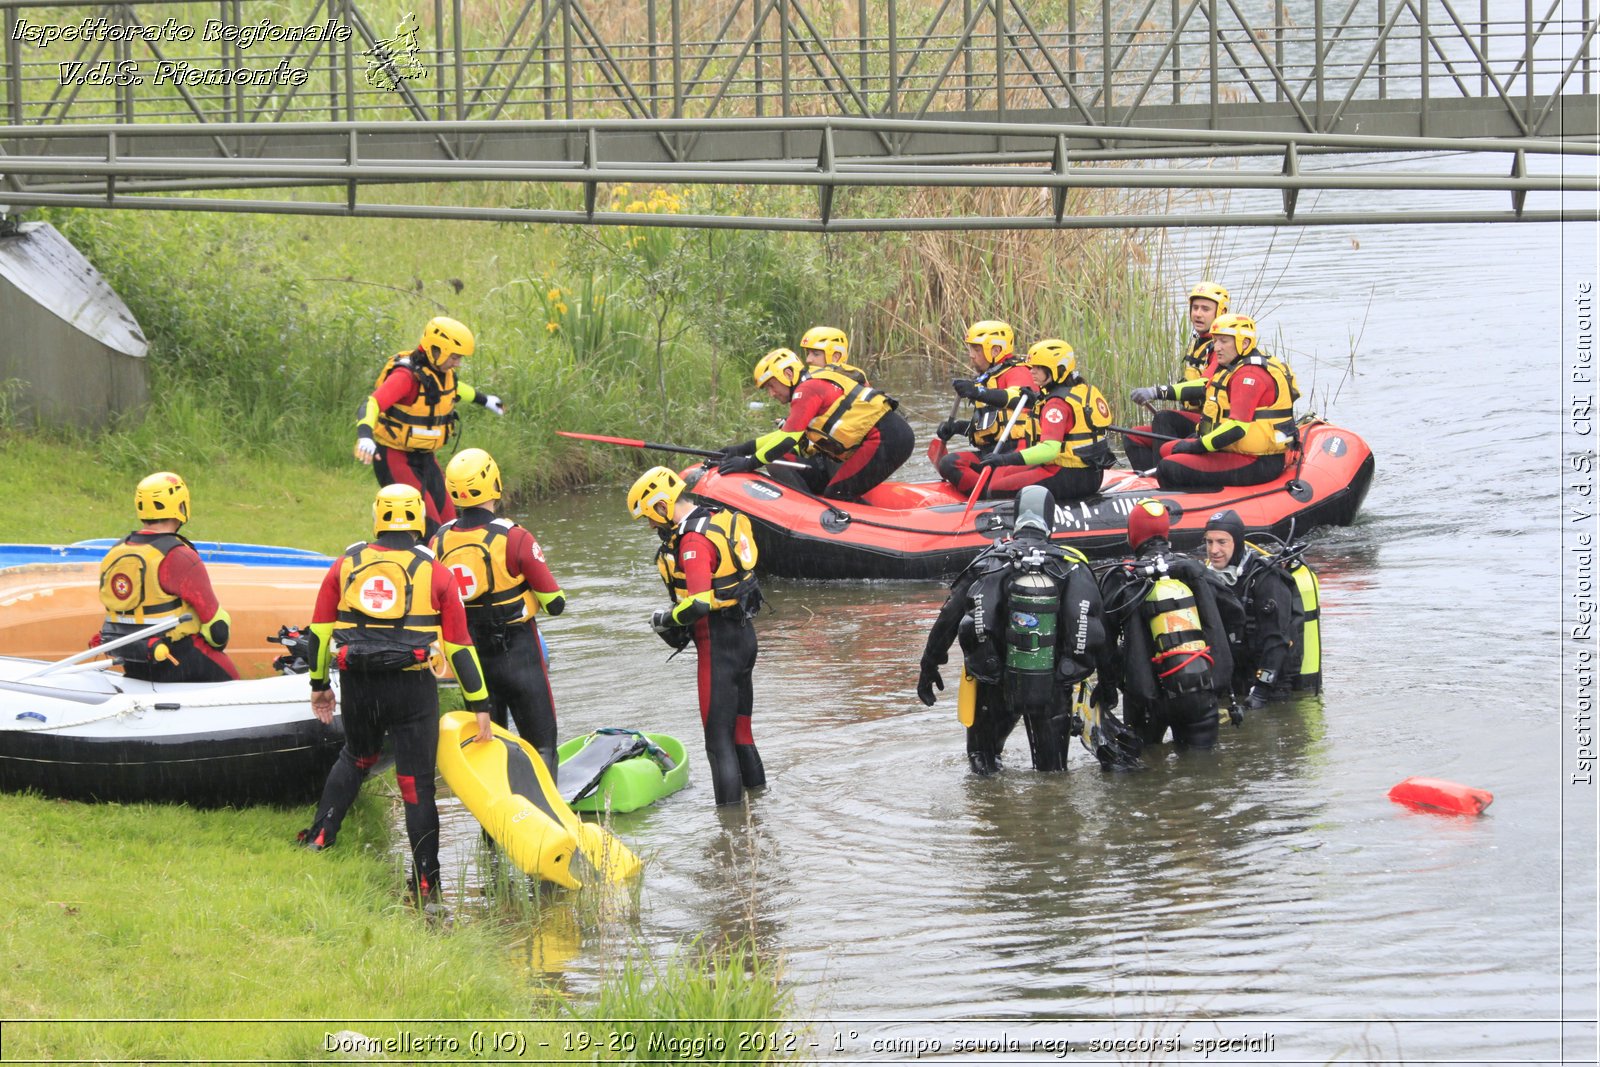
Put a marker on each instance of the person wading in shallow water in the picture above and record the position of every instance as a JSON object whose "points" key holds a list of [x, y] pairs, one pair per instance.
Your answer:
{"points": [[1173, 653], [707, 559], [505, 583]]}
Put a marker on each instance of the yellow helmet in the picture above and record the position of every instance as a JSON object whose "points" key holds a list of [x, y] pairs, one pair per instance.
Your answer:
{"points": [[162, 496], [1242, 328], [1054, 356], [655, 494], [444, 337], [830, 341], [781, 364], [990, 333], [1213, 292], [472, 478], [398, 507]]}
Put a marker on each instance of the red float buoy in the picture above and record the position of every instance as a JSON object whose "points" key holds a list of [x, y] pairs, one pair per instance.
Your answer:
{"points": [[1442, 795]]}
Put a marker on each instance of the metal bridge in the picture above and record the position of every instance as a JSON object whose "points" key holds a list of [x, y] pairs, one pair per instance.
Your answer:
{"points": [[785, 114]]}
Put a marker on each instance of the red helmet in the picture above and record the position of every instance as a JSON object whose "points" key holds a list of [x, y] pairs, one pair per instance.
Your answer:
{"points": [[1148, 519]]}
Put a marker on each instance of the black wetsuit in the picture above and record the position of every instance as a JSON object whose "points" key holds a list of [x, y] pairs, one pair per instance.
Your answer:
{"points": [[977, 611], [1179, 692]]}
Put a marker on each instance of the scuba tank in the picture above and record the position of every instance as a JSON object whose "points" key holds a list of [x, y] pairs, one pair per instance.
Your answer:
{"points": [[1309, 638], [1182, 657], [1033, 608]]}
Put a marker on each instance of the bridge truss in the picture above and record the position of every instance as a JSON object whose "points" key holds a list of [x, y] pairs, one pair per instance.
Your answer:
{"points": [[110, 105]]}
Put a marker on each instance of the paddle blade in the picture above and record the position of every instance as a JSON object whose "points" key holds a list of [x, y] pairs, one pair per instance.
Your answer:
{"points": [[977, 491]]}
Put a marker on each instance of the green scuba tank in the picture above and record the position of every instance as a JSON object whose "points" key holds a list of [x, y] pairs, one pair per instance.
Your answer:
{"points": [[1033, 609]]}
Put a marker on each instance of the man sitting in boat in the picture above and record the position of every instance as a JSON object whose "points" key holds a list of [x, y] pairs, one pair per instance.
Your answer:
{"points": [[850, 433], [1269, 602], [1069, 449], [829, 347], [1172, 644], [505, 583], [1028, 616], [707, 560], [1207, 300], [1246, 418], [995, 393], [155, 574]]}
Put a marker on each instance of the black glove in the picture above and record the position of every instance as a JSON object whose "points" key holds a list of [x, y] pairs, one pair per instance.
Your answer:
{"points": [[927, 681], [951, 427], [1027, 395], [1257, 698], [737, 464], [743, 448], [675, 634], [1234, 714], [1147, 394], [1001, 459], [966, 388], [1189, 446], [1103, 696]]}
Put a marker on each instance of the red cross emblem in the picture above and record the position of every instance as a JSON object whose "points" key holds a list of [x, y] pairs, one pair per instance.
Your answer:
{"points": [[121, 586], [466, 580], [377, 594]]}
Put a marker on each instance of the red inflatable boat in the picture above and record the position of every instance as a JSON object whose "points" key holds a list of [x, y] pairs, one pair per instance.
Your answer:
{"points": [[914, 529]]}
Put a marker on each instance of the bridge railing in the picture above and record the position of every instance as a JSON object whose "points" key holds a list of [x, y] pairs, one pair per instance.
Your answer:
{"points": [[1212, 64]]}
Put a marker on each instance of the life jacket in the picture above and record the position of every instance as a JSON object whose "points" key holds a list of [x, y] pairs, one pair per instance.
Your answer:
{"points": [[494, 599], [839, 430], [426, 423], [1197, 364], [131, 592], [854, 373], [1306, 622], [1272, 429], [1090, 417], [386, 620], [988, 421], [1180, 655], [733, 579]]}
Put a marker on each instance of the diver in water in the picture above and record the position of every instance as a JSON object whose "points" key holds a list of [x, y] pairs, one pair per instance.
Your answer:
{"points": [[1174, 658], [1027, 614]]}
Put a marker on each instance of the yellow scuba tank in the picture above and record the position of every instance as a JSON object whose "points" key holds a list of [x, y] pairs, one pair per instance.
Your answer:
{"points": [[1305, 581], [1182, 657], [967, 698]]}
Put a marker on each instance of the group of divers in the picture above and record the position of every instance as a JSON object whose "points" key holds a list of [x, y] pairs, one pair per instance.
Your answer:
{"points": [[1190, 643]]}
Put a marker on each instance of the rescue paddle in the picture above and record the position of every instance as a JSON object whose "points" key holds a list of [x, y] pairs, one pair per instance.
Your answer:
{"points": [[106, 646], [983, 479], [632, 443], [682, 449], [938, 447]]}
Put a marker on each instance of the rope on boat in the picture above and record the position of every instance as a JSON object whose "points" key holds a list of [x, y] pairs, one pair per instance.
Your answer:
{"points": [[138, 706]]}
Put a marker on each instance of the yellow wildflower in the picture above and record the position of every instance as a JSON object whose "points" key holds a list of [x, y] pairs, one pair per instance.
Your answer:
{"points": [[561, 309], [552, 327], [553, 294]]}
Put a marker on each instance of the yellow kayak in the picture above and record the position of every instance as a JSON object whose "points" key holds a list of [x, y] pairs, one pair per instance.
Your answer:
{"points": [[508, 789]]}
